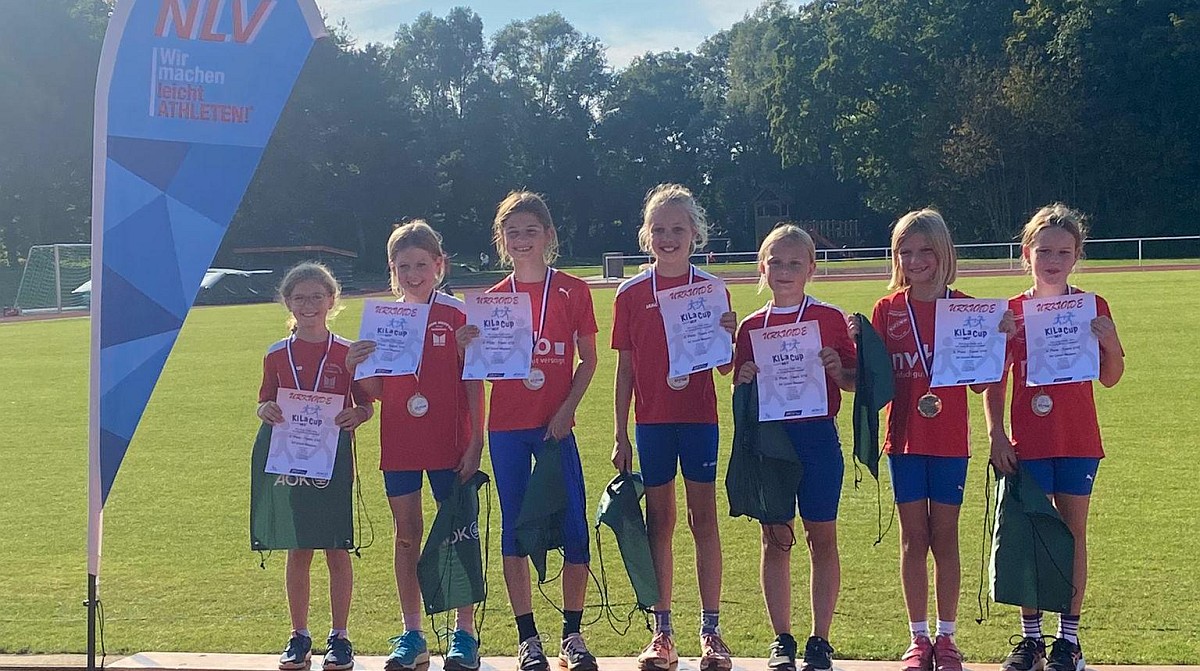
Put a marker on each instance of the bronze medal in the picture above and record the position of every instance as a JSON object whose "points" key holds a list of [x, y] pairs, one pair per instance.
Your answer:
{"points": [[679, 383], [929, 405], [536, 379]]}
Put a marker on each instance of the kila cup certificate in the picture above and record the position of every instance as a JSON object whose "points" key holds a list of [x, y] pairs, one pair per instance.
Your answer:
{"points": [[1059, 344], [398, 331], [504, 348], [968, 347], [305, 444], [691, 317], [791, 379]]}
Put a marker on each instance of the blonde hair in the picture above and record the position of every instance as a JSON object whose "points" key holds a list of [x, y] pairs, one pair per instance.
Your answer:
{"points": [[785, 232], [414, 234], [308, 271], [1055, 215], [518, 202], [927, 222], [673, 194]]}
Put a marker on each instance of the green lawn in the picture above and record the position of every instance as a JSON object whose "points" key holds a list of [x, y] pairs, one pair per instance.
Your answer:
{"points": [[177, 574]]}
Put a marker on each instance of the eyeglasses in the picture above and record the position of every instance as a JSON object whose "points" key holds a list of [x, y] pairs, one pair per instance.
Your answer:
{"points": [[315, 299]]}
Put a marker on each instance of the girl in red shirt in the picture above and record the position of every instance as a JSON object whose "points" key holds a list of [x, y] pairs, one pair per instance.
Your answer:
{"points": [[431, 423], [1055, 434]]}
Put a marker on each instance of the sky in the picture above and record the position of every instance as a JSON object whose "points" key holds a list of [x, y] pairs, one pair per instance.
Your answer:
{"points": [[627, 27]]}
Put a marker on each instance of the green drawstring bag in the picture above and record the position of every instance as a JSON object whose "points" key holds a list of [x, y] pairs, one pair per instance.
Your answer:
{"points": [[874, 388], [450, 569], [288, 512], [1033, 550], [764, 471], [621, 510], [544, 508]]}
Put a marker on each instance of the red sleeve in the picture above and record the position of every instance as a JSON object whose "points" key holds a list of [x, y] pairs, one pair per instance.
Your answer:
{"points": [[743, 351], [621, 338], [879, 317], [585, 315], [270, 382]]}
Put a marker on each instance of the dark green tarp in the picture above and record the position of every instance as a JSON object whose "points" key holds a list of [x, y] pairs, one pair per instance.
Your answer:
{"points": [[874, 388], [621, 510], [539, 525], [1033, 550], [289, 512], [764, 471], [450, 569]]}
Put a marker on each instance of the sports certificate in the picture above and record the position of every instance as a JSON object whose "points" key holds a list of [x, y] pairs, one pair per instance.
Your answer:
{"points": [[691, 317], [504, 348], [1059, 344], [305, 444], [398, 330], [791, 379], [968, 348]]}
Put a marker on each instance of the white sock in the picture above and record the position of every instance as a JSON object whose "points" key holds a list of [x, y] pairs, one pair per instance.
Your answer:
{"points": [[302, 632], [919, 629], [339, 633], [412, 621], [945, 628]]}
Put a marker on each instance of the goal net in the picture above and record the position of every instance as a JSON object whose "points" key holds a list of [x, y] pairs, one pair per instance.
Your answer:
{"points": [[56, 278]]}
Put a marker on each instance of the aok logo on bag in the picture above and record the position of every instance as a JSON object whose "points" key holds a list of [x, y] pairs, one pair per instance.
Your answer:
{"points": [[467, 533]]}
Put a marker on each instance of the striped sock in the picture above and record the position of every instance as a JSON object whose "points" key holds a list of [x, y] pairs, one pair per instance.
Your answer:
{"points": [[1068, 627], [1031, 625], [710, 621], [662, 622], [945, 628]]}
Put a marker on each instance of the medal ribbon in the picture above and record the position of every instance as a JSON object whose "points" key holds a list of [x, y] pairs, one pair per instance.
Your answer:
{"points": [[926, 363], [654, 280], [512, 281], [799, 312], [417, 373], [320, 369]]}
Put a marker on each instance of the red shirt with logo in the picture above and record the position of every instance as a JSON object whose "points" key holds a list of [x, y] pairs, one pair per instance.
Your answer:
{"points": [[907, 431], [834, 333], [569, 315], [1071, 429], [638, 329], [335, 379], [436, 440]]}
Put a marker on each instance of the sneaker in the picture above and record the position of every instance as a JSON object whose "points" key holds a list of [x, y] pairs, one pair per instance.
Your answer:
{"points": [[1029, 654], [297, 654], [783, 654], [530, 656], [1065, 656], [574, 655], [339, 654], [946, 656], [919, 656], [714, 654], [464, 652], [818, 655], [409, 651], [660, 655]]}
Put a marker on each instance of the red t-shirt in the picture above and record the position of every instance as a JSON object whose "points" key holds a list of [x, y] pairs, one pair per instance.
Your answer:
{"points": [[638, 328], [907, 431], [1071, 429], [569, 315], [436, 440], [335, 379], [832, 323]]}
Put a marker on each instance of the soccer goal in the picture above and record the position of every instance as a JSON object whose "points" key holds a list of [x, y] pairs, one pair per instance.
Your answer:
{"points": [[56, 278]]}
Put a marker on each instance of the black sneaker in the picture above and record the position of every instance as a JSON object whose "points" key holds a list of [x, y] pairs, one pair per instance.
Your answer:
{"points": [[574, 655], [530, 656], [1029, 654], [818, 655], [783, 654], [1065, 656], [339, 654], [298, 653]]}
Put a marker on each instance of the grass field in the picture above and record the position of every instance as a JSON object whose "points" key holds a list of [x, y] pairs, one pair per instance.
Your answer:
{"points": [[177, 574]]}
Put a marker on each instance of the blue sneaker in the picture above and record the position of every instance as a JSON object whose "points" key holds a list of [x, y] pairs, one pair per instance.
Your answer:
{"points": [[339, 654], [409, 651], [464, 652], [298, 653]]}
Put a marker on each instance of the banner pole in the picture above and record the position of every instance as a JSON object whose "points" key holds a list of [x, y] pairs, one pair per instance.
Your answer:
{"points": [[91, 624]]}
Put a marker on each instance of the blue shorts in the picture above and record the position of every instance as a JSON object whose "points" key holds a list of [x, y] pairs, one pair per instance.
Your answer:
{"points": [[400, 483], [692, 446], [512, 455], [820, 452], [1064, 475], [919, 476]]}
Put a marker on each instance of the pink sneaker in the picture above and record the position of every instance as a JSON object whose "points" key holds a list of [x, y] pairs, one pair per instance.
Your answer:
{"points": [[919, 656], [946, 656], [660, 655], [714, 654]]}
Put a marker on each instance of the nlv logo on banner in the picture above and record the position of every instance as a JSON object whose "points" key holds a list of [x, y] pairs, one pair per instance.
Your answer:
{"points": [[186, 20]]}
